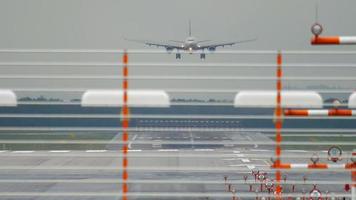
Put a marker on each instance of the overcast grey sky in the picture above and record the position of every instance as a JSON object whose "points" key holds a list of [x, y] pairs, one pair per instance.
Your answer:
{"points": [[92, 24]]}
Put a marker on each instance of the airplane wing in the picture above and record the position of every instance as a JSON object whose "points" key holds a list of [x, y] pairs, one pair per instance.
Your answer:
{"points": [[214, 46], [157, 44]]}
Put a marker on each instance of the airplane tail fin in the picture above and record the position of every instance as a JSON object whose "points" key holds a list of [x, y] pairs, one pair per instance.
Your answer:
{"points": [[190, 28]]}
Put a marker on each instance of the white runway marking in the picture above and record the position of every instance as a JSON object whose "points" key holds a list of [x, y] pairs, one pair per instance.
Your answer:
{"points": [[245, 160], [168, 150], [230, 159], [59, 151], [239, 155], [297, 151], [3, 151], [134, 150], [204, 149], [237, 151], [23, 151], [251, 167], [96, 151], [130, 143], [260, 150]]}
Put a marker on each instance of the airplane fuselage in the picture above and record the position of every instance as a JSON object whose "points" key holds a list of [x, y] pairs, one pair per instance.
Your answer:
{"points": [[190, 44]]}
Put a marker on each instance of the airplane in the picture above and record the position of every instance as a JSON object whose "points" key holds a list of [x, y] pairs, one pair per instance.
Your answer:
{"points": [[190, 44]]}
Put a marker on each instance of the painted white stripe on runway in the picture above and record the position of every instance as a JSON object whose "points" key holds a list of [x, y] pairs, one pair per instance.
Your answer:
{"points": [[245, 160], [238, 165], [204, 149], [130, 143], [3, 151], [251, 167], [229, 159], [237, 151], [96, 151], [134, 150], [23, 151], [239, 155], [297, 151], [260, 150], [168, 150], [59, 151]]}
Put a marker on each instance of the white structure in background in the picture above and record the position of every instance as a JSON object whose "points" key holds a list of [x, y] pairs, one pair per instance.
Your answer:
{"points": [[8, 98], [352, 100], [136, 98], [290, 99]]}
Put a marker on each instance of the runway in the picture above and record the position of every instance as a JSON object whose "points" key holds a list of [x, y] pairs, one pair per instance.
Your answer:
{"points": [[175, 171]]}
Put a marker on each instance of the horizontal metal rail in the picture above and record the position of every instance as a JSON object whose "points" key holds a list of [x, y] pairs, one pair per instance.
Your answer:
{"points": [[175, 78], [157, 194], [217, 169], [176, 90], [172, 129], [167, 153], [169, 181], [165, 117], [206, 142], [216, 66], [150, 51]]}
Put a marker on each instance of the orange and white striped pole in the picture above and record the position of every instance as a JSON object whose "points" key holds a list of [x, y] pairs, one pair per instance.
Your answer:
{"points": [[278, 125], [333, 40], [352, 166], [312, 166], [125, 126], [325, 112]]}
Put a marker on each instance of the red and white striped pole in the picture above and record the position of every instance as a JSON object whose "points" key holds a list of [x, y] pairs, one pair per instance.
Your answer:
{"points": [[278, 125], [317, 29], [125, 126], [333, 40], [352, 165], [322, 112]]}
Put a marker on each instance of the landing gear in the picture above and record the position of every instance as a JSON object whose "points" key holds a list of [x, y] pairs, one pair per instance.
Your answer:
{"points": [[202, 56], [178, 56]]}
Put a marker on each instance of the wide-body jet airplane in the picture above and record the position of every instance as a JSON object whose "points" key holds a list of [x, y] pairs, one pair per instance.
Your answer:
{"points": [[191, 45]]}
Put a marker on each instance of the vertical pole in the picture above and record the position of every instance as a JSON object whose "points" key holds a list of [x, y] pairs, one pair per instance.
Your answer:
{"points": [[353, 177], [278, 125], [125, 125]]}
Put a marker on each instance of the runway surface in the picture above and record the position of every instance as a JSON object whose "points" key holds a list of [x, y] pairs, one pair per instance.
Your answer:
{"points": [[160, 171]]}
